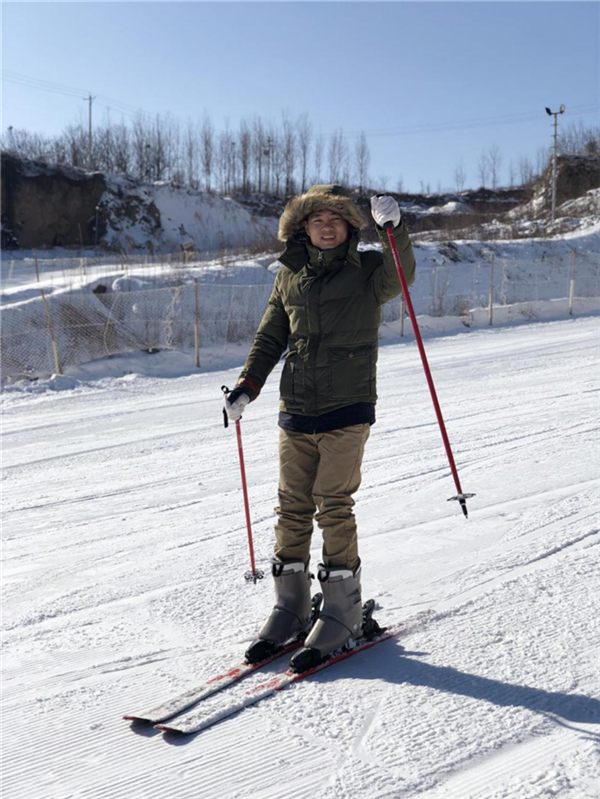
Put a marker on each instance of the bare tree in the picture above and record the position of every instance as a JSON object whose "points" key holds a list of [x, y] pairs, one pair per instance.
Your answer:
{"points": [[77, 143], [525, 170], [226, 160], [460, 176], [158, 149], [58, 151], [576, 139], [400, 185], [232, 165], [335, 156], [362, 158], [102, 150], [141, 145], [494, 163], [277, 164], [346, 167], [483, 169], [304, 129], [207, 151], [273, 161], [542, 159], [382, 182], [244, 151], [260, 153], [511, 174], [319, 148], [289, 153], [191, 156], [123, 149], [14, 142], [174, 160], [30, 145]]}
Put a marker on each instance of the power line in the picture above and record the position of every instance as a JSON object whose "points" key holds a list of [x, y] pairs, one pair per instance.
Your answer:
{"points": [[134, 113], [435, 127], [30, 84], [70, 91]]}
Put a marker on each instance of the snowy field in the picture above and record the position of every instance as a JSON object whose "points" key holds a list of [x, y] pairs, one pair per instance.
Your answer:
{"points": [[124, 556]]}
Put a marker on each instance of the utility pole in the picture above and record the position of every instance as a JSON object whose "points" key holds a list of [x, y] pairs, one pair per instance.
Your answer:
{"points": [[555, 115], [267, 152], [89, 98]]}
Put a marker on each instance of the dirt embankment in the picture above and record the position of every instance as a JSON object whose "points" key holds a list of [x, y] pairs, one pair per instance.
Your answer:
{"points": [[49, 206]]}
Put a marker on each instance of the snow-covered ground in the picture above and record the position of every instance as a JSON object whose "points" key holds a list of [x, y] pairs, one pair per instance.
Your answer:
{"points": [[124, 555]]}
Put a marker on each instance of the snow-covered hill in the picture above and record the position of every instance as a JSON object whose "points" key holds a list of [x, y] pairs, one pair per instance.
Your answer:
{"points": [[124, 555], [160, 218]]}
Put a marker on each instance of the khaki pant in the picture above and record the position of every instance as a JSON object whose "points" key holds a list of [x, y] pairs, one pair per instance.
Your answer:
{"points": [[319, 471]]}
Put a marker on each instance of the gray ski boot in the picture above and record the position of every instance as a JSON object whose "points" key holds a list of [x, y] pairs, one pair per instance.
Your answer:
{"points": [[339, 622], [291, 616]]}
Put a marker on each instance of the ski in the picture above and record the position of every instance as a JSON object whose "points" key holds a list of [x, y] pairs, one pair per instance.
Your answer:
{"points": [[187, 699], [201, 718], [183, 701]]}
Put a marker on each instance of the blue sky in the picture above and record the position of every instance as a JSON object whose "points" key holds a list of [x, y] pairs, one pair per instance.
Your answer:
{"points": [[422, 79]]}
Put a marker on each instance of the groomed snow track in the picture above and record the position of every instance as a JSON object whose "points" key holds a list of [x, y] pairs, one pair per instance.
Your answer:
{"points": [[125, 551]]}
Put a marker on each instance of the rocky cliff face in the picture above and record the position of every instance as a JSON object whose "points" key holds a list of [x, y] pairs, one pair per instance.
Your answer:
{"points": [[48, 206]]}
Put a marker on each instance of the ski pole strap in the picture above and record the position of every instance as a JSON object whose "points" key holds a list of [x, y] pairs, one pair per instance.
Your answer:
{"points": [[225, 391]]}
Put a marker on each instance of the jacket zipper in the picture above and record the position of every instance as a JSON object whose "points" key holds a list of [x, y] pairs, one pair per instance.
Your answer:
{"points": [[320, 260]]}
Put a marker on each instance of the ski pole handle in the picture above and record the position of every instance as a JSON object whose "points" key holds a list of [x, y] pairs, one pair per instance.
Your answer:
{"points": [[225, 391]]}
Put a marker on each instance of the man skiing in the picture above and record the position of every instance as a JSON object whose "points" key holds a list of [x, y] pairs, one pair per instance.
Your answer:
{"points": [[325, 311]]}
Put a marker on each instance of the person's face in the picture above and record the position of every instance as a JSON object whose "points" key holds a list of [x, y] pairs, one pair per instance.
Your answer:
{"points": [[326, 229]]}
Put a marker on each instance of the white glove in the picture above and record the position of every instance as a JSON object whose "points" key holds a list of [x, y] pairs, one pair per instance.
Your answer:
{"points": [[385, 209], [235, 409]]}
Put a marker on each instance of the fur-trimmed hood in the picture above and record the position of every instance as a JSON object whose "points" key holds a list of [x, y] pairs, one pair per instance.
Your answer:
{"points": [[319, 198]]}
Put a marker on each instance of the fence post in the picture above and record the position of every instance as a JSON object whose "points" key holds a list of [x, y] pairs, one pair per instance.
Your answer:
{"points": [[572, 283], [51, 331], [492, 289], [196, 323], [37, 271]]}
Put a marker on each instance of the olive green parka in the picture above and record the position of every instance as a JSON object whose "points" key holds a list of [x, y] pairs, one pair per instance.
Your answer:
{"points": [[325, 310]]}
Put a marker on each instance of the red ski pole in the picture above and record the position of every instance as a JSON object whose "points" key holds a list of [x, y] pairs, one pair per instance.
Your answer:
{"points": [[254, 574], [462, 498]]}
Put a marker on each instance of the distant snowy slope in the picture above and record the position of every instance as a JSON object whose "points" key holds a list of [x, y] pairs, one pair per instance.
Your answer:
{"points": [[159, 217]]}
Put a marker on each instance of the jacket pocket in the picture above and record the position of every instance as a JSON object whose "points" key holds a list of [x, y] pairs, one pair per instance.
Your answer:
{"points": [[286, 384], [351, 371]]}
